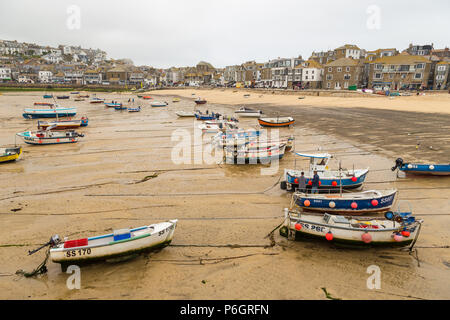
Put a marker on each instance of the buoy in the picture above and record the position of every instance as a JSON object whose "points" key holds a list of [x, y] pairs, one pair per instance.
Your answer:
{"points": [[334, 183], [298, 226], [332, 204], [431, 167], [366, 238], [374, 202], [406, 233], [307, 203], [296, 180], [329, 236], [398, 237], [409, 166], [310, 182], [320, 182], [354, 205], [354, 179]]}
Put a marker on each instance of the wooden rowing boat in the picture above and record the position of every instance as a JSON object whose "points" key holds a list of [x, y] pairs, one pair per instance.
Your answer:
{"points": [[276, 122]]}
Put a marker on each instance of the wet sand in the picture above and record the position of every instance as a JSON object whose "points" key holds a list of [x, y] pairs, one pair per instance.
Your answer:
{"points": [[94, 186]]}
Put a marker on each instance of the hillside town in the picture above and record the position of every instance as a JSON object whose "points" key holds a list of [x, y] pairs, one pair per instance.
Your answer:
{"points": [[418, 67]]}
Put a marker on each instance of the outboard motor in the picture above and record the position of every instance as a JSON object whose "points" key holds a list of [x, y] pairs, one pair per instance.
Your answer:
{"points": [[398, 164]]}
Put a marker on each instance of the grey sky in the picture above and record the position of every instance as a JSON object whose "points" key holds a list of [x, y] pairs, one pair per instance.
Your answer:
{"points": [[165, 33]]}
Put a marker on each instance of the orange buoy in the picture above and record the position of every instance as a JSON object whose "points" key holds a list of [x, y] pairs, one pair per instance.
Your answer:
{"points": [[354, 205], [298, 226], [329, 236], [374, 202], [366, 238], [307, 203], [310, 182], [354, 179], [406, 233], [334, 183], [296, 180]]}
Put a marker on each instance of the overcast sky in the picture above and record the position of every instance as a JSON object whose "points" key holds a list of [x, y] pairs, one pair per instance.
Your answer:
{"points": [[165, 33]]}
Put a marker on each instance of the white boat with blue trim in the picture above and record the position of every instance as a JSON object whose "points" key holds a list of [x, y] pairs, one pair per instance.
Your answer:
{"points": [[46, 137], [120, 243], [31, 113]]}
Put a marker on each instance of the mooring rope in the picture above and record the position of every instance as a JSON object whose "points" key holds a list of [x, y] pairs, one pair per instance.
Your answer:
{"points": [[40, 269]]}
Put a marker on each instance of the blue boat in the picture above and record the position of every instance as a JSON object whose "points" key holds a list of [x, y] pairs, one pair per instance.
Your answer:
{"points": [[49, 113], [112, 104], [356, 203], [201, 116], [120, 108], [138, 109], [426, 169], [330, 180], [48, 96]]}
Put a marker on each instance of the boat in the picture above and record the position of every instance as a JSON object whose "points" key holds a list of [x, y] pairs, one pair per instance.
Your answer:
{"points": [[31, 113], [62, 97], [159, 104], [355, 203], [97, 100], [182, 114], [119, 243], [146, 97], [45, 137], [215, 127], [83, 96], [176, 100], [44, 104], [260, 153], [78, 99], [120, 107], [276, 122], [10, 154], [200, 101], [247, 112], [63, 124], [112, 104], [138, 109], [330, 180], [395, 229], [48, 96], [75, 92], [208, 116], [223, 139], [423, 169]]}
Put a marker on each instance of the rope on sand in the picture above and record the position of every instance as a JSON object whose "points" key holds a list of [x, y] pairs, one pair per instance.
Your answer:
{"points": [[40, 269]]}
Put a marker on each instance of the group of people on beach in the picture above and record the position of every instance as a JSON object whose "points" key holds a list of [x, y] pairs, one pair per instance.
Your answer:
{"points": [[314, 186]]}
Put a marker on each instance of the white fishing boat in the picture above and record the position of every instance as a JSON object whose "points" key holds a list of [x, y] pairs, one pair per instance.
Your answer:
{"points": [[397, 229], [120, 243], [216, 127], [183, 114], [247, 112], [260, 153], [159, 104], [222, 140], [46, 137]]}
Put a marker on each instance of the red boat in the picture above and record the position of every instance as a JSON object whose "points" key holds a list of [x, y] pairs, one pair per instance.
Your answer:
{"points": [[147, 97], [43, 104], [276, 122]]}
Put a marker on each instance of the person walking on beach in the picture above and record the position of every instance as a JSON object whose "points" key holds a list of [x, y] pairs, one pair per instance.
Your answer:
{"points": [[302, 183], [315, 183]]}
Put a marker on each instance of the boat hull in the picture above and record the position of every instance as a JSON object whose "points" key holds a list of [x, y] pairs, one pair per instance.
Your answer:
{"points": [[337, 205], [426, 169], [49, 113], [264, 123]]}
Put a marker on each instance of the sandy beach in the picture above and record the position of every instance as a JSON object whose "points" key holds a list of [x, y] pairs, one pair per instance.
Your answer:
{"points": [[220, 249]]}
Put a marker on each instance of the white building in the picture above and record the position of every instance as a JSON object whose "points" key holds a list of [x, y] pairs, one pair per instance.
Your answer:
{"points": [[52, 58], [5, 74], [45, 76], [348, 51], [74, 77]]}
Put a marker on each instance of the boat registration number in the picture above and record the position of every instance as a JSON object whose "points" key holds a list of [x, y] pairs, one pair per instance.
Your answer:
{"points": [[164, 230], [78, 252], [387, 199], [313, 227]]}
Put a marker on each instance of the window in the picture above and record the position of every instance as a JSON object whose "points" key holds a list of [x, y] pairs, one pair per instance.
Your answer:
{"points": [[347, 76], [441, 68], [440, 77], [347, 69], [328, 85], [420, 66], [329, 77], [418, 76], [391, 76], [339, 69], [392, 67], [377, 75], [404, 68], [345, 85], [378, 66], [330, 69]]}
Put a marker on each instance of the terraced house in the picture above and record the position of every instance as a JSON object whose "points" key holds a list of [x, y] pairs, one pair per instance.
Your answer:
{"points": [[343, 73], [442, 76], [400, 72]]}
